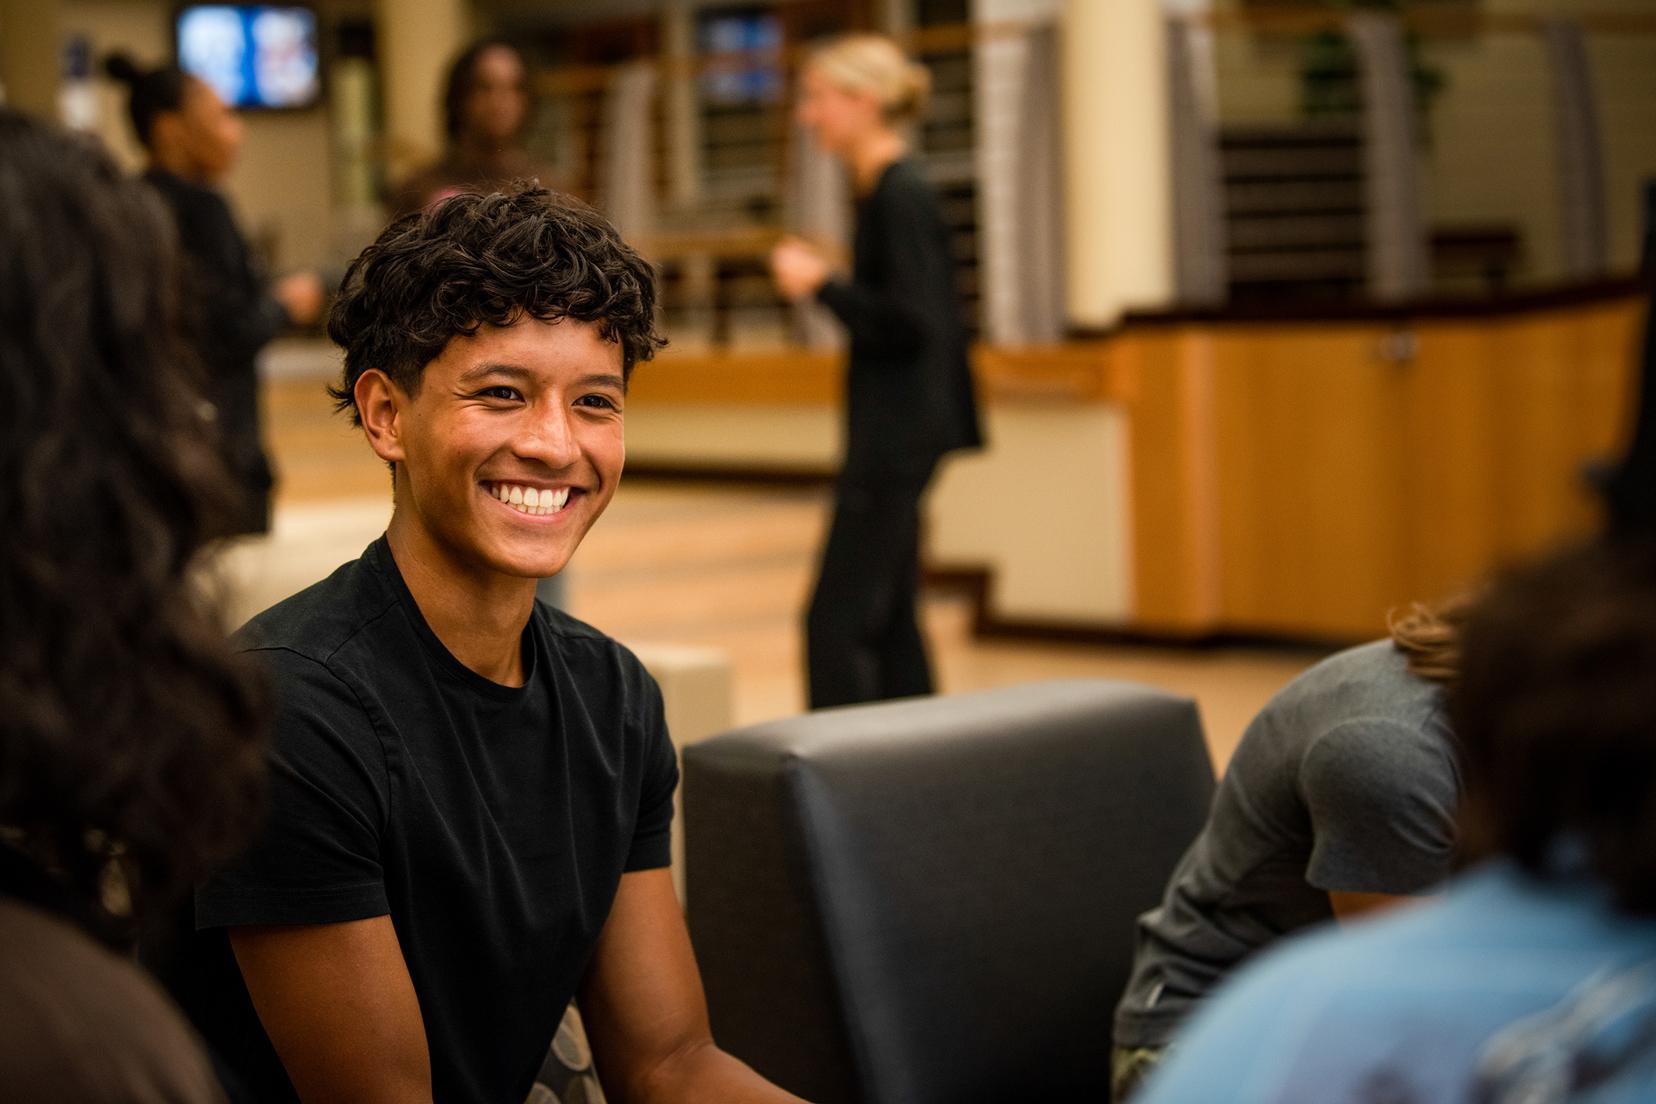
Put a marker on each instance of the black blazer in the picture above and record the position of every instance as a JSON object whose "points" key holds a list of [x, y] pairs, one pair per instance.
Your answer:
{"points": [[909, 392]]}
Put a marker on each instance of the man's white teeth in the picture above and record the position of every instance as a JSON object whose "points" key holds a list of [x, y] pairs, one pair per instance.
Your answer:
{"points": [[531, 500]]}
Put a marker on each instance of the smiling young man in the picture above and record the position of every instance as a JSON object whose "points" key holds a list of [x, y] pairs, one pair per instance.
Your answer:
{"points": [[471, 792]]}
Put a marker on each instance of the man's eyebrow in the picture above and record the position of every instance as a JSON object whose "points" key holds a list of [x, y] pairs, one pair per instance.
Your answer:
{"points": [[491, 368], [604, 379], [518, 373]]}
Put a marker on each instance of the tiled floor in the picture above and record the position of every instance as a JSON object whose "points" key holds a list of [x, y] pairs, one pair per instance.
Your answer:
{"points": [[730, 567]]}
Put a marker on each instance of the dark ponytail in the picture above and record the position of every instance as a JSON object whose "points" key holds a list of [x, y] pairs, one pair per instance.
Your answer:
{"points": [[149, 91]]}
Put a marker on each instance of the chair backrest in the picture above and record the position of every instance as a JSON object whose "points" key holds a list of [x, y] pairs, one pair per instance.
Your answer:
{"points": [[932, 901]]}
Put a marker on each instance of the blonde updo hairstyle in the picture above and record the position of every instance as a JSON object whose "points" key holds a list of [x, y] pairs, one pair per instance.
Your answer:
{"points": [[874, 65]]}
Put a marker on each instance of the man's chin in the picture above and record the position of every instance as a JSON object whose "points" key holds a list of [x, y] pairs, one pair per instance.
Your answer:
{"points": [[535, 571]]}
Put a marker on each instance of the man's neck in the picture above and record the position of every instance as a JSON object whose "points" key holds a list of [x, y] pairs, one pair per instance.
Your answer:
{"points": [[479, 616], [173, 161]]}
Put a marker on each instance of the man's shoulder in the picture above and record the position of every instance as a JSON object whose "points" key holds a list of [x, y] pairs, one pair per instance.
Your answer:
{"points": [[591, 651], [572, 634], [1370, 682], [346, 609]]}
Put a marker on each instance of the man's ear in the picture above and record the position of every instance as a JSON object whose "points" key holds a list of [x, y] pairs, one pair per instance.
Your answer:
{"points": [[379, 403]]}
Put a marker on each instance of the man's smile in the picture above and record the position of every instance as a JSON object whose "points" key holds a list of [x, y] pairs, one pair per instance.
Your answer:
{"points": [[526, 498]]}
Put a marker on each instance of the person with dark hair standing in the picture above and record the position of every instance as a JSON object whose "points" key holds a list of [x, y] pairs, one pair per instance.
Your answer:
{"points": [[192, 139], [1339, 799], [1532, 978], [486, 106], [472, 792], [131, 738], [909, 393]]}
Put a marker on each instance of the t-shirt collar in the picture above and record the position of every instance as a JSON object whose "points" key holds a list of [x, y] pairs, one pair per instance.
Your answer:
{"points": [[379, 554]]}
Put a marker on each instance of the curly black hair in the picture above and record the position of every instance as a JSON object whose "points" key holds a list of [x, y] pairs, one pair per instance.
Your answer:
{"points": [[131, 738], [476, 260]]}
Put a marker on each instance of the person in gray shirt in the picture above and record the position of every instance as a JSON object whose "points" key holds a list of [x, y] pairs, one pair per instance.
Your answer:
{"points": [[1339, 798]]}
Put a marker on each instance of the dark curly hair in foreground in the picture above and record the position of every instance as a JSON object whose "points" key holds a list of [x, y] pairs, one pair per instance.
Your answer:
{"points": [[131, 740], [477, 260], [1555, 714]]}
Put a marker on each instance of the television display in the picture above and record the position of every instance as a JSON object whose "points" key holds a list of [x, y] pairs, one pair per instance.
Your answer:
{"points": [[750, 71], [253, 55]]}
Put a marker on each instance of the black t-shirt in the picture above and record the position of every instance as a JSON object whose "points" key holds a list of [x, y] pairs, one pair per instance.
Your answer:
{"points": [[491, 823]]}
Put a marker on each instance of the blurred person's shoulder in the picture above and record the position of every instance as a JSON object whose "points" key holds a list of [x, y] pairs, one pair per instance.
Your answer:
{"points": [[83, 1024], [1371, 680], [1411, 1001], [194, 206]]}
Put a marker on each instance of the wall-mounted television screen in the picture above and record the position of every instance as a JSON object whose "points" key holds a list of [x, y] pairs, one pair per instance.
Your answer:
{"points": [[253, 55], [751, 71]]}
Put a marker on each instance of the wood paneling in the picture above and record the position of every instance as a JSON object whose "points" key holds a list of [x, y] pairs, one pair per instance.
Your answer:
{"points": [[1451, 513], [1358, 466], [1079, 371], [1166, 378], [1308, 486]]}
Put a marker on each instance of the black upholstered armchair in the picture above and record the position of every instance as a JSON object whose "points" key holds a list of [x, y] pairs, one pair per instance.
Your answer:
{"points": [[932, 901]]}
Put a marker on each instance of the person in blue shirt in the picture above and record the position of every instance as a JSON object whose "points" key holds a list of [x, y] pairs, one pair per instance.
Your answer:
{"points": [[1533, 978]]}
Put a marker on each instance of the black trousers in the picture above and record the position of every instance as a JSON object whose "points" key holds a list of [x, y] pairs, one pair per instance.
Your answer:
{"points": [[862, 636]]}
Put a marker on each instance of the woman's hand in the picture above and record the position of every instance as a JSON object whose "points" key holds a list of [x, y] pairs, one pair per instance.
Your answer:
{"points": [[798, 268], [302, 296]]}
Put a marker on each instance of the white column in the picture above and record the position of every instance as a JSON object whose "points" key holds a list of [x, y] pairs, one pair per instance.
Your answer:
{"points": [[1020, 231], [417, 39], [1398, 266], [626, 150], [683, 120], [1117, 164], [1579, 141]]}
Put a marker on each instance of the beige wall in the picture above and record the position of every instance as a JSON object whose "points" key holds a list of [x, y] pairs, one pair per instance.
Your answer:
{"points": [[1046, 509], [1492, 154]]}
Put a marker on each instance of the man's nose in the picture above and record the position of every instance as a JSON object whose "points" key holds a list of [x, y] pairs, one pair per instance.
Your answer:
{"points": [[551, 436]]}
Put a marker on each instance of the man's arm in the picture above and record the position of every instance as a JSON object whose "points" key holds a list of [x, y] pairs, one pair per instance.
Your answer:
{"points": [[1349, 906], [1381, 796], [338, 1004], [645, 1011]]}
